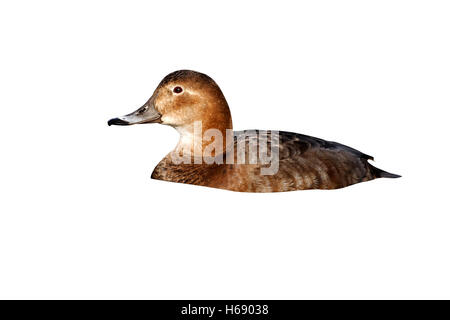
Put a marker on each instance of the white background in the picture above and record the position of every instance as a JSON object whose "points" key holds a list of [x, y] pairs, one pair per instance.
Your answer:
{"points": [[81, 218]]}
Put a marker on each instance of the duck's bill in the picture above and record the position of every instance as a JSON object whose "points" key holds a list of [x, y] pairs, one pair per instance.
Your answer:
{"points": [[145, 114]]}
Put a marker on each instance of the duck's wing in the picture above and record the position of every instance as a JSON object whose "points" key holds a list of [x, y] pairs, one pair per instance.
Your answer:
{"points": [[295, 144], [348, 164], [304, 162]]}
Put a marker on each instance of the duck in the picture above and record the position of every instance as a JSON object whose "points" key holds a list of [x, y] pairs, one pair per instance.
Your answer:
{"points": [[209, 153]]}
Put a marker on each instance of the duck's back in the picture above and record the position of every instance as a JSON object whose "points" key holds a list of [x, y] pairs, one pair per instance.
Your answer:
{"points": [[304, 162]]}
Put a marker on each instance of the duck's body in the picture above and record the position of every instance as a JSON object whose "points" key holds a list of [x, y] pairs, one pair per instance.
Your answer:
{"points": [[304, 163], [185, 98]]}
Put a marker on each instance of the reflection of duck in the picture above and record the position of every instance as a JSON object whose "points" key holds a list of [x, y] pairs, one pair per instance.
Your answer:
{"points": [[184, 98]]}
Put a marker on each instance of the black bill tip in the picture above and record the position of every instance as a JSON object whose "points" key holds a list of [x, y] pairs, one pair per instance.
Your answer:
{"points": [[117, 122]]}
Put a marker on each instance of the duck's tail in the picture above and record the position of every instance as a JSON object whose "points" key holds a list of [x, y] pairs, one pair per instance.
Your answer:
{"points": [[378, 173]]}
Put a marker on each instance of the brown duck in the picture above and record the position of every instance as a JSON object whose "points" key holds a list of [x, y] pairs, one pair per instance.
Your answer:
{"points": [[210, 154]]}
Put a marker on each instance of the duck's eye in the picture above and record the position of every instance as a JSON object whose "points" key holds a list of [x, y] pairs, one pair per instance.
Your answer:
{"points": [[178, 89]]}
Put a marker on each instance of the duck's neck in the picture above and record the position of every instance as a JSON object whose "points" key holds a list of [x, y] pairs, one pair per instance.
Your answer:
{"points": [[204, 138]]}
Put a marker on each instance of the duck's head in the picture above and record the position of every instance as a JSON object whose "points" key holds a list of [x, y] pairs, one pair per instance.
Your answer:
{"points": [[182, 98]]}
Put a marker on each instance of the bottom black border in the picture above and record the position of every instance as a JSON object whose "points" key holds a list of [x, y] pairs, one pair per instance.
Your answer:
{"points": [[225, 309]]}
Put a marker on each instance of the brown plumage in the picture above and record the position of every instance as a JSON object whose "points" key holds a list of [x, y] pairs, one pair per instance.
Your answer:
{"points": [[186, 97]]}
